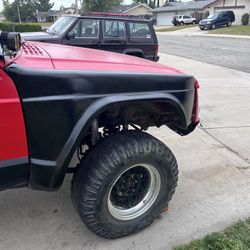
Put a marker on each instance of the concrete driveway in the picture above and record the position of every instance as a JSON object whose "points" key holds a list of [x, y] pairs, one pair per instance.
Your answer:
{"points": [[192, 31], [213, 189]]}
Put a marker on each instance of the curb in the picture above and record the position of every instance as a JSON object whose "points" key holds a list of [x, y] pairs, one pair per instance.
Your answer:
{"points": [[221, 36]]}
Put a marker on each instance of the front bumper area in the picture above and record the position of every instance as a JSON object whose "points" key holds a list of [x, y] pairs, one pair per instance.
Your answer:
{"points": [[205, 26]]}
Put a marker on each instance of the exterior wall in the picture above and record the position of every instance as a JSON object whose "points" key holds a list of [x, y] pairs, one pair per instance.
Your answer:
{"points": [[140, 10], [164, 18], [2, 18], [230, 5], [162, 2], [41, 19], [168, 16]]}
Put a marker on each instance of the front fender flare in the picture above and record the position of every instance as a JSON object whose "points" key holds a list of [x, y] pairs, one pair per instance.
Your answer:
{"points": [[56, 170]]}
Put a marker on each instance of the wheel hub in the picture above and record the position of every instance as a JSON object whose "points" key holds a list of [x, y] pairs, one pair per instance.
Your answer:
{"points": [[134, 191], [131, 187]]}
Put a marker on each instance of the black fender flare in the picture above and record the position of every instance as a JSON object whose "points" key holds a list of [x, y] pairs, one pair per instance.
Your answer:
{"points": [[55, 171], [92, 112]]}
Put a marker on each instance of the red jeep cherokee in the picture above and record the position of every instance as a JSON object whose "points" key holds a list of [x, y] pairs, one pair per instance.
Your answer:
{"points": [[57, 101]]}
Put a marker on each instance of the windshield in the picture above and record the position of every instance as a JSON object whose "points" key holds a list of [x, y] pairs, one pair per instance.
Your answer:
{"points": [[213, 16], [61, 25]]}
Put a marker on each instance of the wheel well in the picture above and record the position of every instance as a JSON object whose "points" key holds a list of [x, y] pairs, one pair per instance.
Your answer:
{"points": [[120, 116], [143, 115]]}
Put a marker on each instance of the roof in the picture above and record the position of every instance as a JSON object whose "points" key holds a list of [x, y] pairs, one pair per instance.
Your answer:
{"points": [[51, 13], [191, 5], [46, 13], [126, 8]]}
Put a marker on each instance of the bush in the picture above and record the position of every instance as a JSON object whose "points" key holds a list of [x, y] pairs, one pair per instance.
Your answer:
{"points": [[20, 27], [245, 19]]}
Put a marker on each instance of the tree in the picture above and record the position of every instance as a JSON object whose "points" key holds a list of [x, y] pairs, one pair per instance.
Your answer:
{"points": [[150, 3], [25, 8], [100, 5], [44, 5]]}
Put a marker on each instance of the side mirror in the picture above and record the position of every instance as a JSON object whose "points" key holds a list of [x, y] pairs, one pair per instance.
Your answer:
{"points": [[71, 35], [10, 41]]}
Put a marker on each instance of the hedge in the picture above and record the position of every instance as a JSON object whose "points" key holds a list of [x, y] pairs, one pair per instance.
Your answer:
{"points": [[245, 19], [19, 27]]}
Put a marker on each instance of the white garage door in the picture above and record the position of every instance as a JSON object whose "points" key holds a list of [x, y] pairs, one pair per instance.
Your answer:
{"points": [[164, 18], [238, 14]]}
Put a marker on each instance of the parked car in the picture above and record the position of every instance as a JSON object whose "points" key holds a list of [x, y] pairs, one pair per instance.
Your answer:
{"points": [[112, 32], [181, 20], [57, 101], [217, 19]]}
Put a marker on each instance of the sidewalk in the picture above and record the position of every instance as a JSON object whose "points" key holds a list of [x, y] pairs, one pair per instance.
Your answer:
{"points": [[195, 31], [221, 36], [213, 188]]}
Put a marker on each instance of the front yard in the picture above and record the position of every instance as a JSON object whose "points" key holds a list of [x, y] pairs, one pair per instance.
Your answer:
{"points": [[234, 30], [174, 28], [235, 237]]}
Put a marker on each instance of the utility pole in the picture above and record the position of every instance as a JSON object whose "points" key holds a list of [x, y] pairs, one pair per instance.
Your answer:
{"points": [[18, 12], [76, 3]]}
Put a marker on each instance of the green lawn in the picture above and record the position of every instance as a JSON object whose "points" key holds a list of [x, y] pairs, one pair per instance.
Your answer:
{"points": [[174, 28], [235, 237], [234, 30]]}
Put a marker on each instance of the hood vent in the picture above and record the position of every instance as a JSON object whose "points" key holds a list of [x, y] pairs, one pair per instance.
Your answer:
{"points": [[31, 49]]}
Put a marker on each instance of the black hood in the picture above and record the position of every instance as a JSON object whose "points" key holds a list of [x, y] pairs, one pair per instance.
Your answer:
{"points": [[37, 36]]}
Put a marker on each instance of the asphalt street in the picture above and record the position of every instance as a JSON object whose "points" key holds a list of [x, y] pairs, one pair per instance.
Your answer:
{"points": [[228, 52]]}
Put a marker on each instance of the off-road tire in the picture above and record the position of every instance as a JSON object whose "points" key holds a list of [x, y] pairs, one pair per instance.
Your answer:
{"points": [[100, 168]]}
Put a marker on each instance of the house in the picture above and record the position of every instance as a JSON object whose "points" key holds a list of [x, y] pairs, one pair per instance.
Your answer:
{"points": [[2, 17], [133, 9], [52, 16], [239, 7], [200, 9], [45, 16]]}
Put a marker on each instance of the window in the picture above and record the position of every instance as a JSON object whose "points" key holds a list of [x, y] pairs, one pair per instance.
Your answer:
{"points": [[187, 17], [61, 25], [87, 28], [139, 30], [114, 29]]}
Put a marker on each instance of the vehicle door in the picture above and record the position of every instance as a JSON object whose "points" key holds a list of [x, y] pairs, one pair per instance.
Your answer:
{"points": [[113, 35], [142, 38], [187, 19], [221, 19], [84, 34], [14, 159], [225, 18]]}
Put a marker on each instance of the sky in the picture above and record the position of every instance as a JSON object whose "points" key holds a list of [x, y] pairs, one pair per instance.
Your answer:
{"points": [[58, 3]]}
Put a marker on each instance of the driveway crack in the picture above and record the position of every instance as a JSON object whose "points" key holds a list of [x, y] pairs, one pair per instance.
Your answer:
{"points": [[226, 146]]}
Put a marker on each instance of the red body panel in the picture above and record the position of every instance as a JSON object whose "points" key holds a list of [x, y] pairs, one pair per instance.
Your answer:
{"points": [[47, 56], [13, 141]]}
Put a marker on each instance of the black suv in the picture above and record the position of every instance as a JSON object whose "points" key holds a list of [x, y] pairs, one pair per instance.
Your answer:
{"points": [[118, 33], [217, 19]]}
